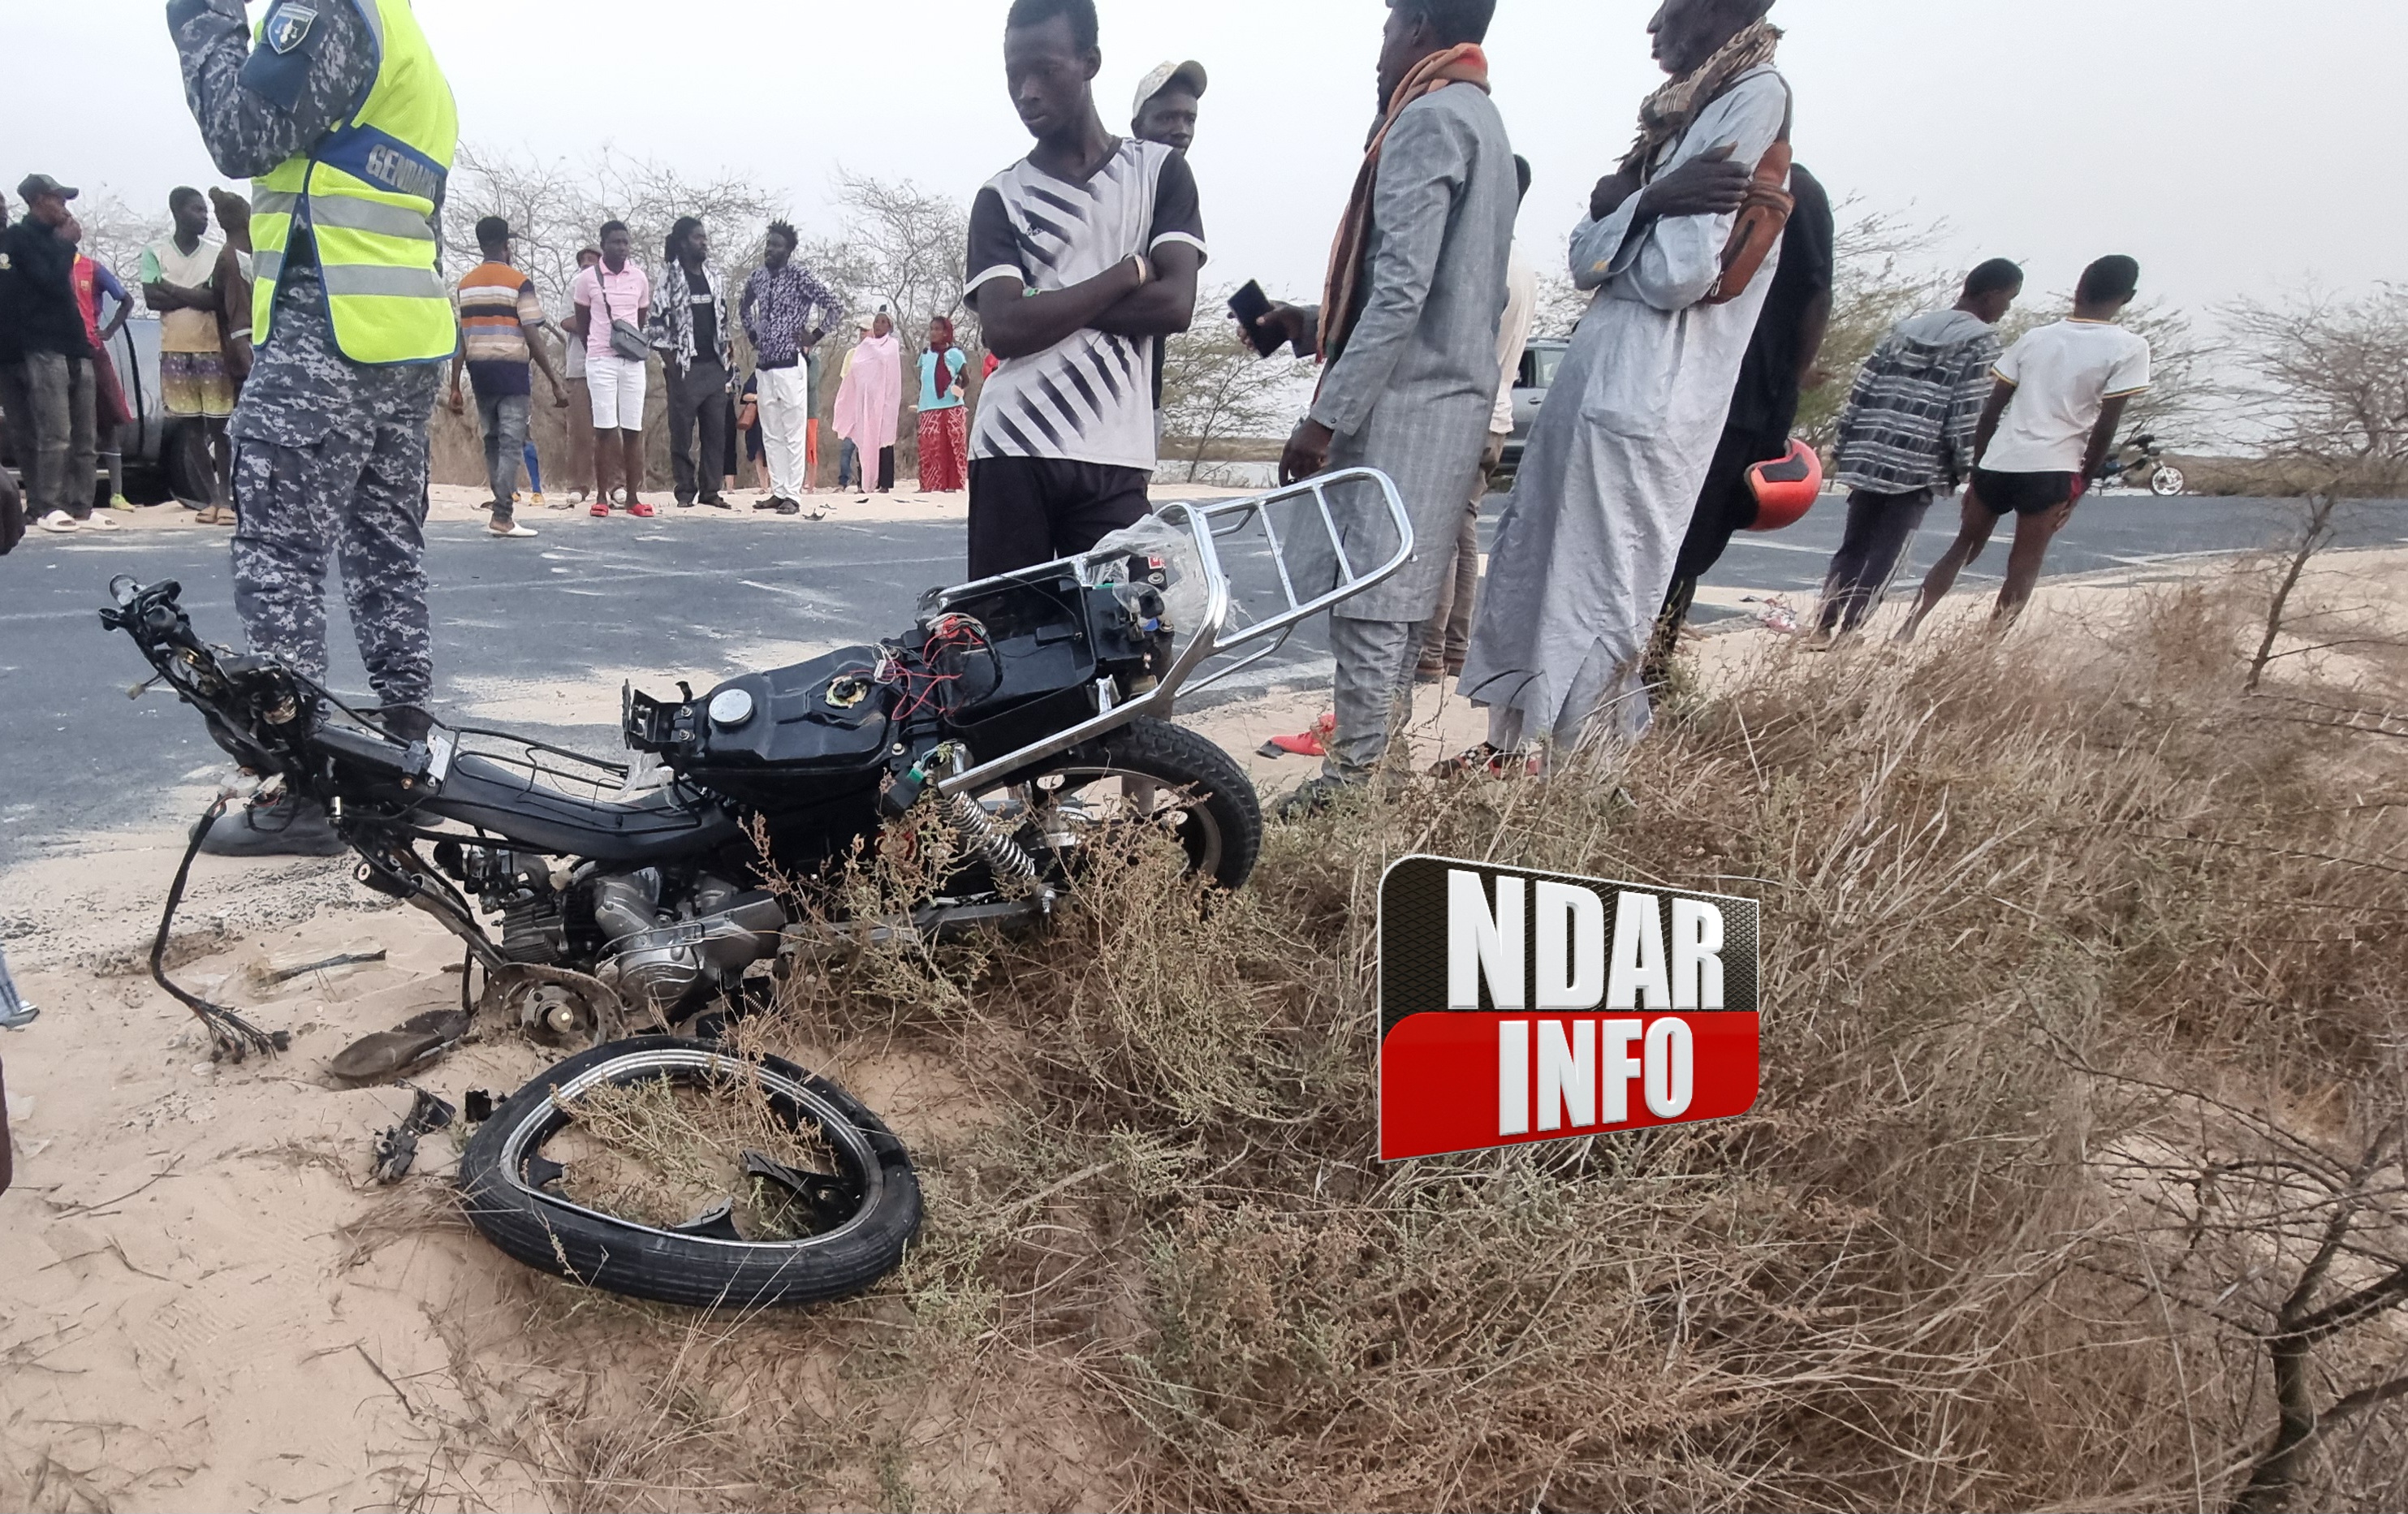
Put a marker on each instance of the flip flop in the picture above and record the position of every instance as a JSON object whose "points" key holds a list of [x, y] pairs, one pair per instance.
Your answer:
{"points": [[406, 1048]]}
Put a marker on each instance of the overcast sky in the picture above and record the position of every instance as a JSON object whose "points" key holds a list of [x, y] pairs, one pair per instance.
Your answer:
{"points": [[2225, 143]]}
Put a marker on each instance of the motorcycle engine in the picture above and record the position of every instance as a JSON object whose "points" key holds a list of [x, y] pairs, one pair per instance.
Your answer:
{"points": [[666, 958], [669, 961], [520, 887]]}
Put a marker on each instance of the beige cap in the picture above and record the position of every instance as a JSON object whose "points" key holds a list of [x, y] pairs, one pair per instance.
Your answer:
{"points": [[1161, 78]]}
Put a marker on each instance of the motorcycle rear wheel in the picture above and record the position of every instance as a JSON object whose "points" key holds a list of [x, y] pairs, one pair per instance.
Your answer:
{"points": [[858, 1218], [1148, 772]]}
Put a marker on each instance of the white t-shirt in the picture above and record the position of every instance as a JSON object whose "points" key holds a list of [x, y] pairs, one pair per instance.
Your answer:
{"points": [[2063, 374]]}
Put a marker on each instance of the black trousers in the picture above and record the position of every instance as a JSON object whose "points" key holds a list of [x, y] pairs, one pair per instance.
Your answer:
{"points": [[699, 399], [1879, 528], [1025, 510], [1725, 509]]}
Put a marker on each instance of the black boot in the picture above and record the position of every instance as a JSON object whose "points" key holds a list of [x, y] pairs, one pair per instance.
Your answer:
{"points": [[290, 827]]}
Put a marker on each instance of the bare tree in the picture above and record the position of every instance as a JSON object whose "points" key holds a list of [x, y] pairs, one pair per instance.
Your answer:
{"points": [[114, 236], [2326, 379], [2326, 382], [1217, 390], [904, 247], [557, 206], [2296, 1243], [1559, 307]]}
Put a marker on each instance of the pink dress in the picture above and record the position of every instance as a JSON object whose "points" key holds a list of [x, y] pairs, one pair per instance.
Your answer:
{"points": [[869, 402]]}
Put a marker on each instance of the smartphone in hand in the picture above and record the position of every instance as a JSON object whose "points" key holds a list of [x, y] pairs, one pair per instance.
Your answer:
{"points": [[1250, 305]]}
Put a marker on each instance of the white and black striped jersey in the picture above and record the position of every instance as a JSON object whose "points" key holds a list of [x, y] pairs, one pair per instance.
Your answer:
{"points": [[1090, 398]]}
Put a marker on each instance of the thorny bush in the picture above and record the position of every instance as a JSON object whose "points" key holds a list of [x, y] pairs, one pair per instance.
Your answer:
{"points": [[2013, 893]]}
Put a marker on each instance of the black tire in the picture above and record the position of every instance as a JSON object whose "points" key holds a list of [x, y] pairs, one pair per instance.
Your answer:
{"points": [[551, 1235], [1187, 761]]}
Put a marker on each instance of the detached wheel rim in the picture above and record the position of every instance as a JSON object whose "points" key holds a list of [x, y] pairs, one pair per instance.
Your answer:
{"points": [[693, 1066]]}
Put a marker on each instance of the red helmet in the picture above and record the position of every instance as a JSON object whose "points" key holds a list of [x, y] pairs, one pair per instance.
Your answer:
{"points": [[1785, 487]]}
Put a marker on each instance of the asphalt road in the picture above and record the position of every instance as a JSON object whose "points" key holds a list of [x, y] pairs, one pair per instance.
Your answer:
{"points": [[688, 600]]}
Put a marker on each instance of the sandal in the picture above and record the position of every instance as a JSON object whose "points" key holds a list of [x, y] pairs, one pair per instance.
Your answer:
{"points": [[406, 1048], [1486, 760]]}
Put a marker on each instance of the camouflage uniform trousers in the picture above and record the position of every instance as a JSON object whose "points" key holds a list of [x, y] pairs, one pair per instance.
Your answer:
{"points": [[330, 457]]}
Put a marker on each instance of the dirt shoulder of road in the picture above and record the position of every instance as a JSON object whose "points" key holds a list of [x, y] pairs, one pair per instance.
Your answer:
{"points": [[212, 1304]]}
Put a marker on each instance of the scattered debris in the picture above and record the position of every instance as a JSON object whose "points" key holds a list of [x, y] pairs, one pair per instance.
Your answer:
{"points": [[1777, 615], [398, 1148], [283, 970]]}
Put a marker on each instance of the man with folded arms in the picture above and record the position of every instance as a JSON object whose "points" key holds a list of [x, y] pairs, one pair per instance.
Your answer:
{"points": [[1585, 551], [1083, 256]]}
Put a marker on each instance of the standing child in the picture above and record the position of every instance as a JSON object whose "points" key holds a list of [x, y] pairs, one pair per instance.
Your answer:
{"points": [[2059, 396], [944, 441], [747, 427]]}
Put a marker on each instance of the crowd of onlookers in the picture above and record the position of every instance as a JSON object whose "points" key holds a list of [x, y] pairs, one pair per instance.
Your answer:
{"points": [[67, 410], [66, 404], [1708, 254], [722, 423]]}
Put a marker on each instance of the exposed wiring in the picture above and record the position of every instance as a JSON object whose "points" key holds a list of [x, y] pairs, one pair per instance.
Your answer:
{"points": [[231, 1037]]}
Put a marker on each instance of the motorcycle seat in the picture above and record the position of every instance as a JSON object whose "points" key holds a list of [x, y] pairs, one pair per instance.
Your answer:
{"points": [[661, 826]]}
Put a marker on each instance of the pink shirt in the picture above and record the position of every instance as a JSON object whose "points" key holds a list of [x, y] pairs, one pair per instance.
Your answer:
{"points": [[624, 296]]}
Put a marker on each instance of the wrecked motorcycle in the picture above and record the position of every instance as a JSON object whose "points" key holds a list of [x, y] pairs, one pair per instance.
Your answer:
{"points": [[599, 901]]}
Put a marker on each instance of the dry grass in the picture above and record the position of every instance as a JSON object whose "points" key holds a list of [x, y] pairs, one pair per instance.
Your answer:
{"points": [[663, 1153], [2075, 963]]}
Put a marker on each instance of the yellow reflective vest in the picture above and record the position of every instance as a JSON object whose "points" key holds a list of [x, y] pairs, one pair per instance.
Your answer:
{"points": [[367, 192]]}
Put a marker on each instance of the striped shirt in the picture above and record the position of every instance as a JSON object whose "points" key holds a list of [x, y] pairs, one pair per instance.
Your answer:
{"points": [[497, 308], [1910, 420], [1088, 398]]}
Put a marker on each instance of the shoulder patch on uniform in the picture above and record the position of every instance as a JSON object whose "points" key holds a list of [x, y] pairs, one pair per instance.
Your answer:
{"points": [[289, 27]]}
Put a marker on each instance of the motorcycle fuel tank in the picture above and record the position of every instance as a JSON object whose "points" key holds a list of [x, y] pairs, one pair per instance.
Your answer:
{"points": [[823, 717]]}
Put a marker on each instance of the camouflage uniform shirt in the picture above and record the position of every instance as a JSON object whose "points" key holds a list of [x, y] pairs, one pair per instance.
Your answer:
{"points": [[330, 456]]}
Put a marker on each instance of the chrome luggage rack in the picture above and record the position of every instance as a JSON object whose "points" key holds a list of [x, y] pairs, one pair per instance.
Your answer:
{"points": [[1207, 526]]}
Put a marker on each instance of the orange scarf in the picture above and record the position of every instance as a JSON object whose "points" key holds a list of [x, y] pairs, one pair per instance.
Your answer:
{"points": [[1341, 301]]}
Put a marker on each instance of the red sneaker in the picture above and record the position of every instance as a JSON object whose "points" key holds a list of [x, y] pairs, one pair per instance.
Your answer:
{"points": [[601, 509], [1309, 743], [641, 510]]}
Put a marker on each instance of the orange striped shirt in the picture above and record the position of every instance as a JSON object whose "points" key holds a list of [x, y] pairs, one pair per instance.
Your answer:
{"points": [[497, 308]]}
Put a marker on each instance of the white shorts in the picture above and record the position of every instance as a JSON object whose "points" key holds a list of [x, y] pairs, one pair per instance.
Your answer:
{"points": [[617, 385]]}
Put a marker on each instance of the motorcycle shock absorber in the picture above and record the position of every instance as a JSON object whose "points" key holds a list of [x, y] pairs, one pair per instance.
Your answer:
{"points": [[1007, 856]]}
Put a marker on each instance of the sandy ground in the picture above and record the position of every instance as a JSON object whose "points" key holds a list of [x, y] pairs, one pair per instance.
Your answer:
{"points": [[212, 1305]]}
